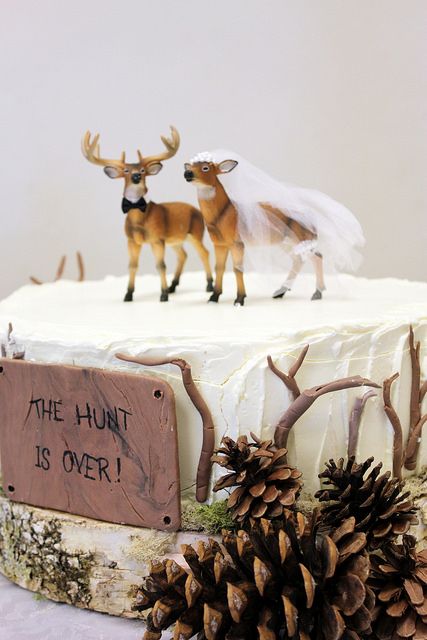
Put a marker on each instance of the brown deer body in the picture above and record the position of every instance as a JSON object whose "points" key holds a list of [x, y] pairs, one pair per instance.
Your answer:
{"points": [[221, 218], [158, 225]]}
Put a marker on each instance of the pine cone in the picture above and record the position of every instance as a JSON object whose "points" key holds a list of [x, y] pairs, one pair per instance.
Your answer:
{"points": [[399, 580], [277, 580], [266, 486], [375, 500]]}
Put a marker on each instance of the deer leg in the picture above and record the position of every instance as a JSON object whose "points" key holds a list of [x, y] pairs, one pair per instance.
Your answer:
{"points": [[134, 251], [221, 253], [320, 282], [237, 252], [204, 257], [182, 257], [297, 263], [159, 254]]}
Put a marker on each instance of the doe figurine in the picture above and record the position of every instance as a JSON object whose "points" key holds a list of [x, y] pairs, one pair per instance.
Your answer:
{"points": [[169, 223], [253, 216]]}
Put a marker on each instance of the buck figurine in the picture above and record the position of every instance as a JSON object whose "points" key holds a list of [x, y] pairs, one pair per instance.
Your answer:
{"points": [[246, 210], [147, 222]]}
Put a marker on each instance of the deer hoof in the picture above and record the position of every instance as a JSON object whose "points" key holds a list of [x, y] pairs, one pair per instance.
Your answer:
{"points": [[209, 286], [239, 301], [128, 297], [280, 292], [164, 296], [173, 286], [214, 297], [317, 295]]}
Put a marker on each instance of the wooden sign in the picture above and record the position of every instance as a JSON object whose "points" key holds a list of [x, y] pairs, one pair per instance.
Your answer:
{"points": [[91, 442]]}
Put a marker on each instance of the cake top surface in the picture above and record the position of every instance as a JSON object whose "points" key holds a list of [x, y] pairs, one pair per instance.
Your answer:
{"points": [[93, 311]]}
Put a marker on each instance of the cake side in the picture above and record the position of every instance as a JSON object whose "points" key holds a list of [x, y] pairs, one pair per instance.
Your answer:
{"points": [[85, 324]]}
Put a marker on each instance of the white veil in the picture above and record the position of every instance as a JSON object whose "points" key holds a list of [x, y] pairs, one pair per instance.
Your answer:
{"points": [[339, 234]]}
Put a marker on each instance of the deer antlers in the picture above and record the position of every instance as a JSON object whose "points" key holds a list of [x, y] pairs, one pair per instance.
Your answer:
{"points": [[171, 144], [91, 151]]}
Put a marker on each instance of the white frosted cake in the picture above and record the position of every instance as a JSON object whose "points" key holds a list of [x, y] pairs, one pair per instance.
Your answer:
{"points": [[359, 328]]}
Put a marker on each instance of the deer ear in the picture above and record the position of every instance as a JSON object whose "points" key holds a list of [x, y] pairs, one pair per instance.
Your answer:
{"points": [[153, 169], [227, 165], [112, 172]]}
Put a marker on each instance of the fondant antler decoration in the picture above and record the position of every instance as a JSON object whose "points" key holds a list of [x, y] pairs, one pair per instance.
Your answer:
{"points": [[302, 400], [15, 355], [61, 267], [418, 392], [205, 463], [354, 422], [398, 457], [407, 457]]}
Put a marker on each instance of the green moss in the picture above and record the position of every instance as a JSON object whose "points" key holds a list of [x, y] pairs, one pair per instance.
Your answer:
{"points": [[209, 518], [306, 503], [417, 485], [31, 554]]}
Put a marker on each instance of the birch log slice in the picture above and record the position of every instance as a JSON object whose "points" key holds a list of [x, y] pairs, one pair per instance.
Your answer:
{"points": [[84, 562], [97, 565]]}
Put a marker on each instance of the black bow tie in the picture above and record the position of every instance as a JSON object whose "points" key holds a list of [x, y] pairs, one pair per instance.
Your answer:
{"points": [[127, 205]]}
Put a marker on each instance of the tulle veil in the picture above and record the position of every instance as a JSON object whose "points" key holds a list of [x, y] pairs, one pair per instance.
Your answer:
{"points": [[339, 234]]}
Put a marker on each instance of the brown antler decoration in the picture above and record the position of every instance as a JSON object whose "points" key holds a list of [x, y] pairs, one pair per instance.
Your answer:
{"points": [[16, 355], [61, 267], [205, 463], [303, 400], [91, 151], [418, 392], [397, 427], [354, 422], [59, 272], [407, 456], [171, 144], [81, 267], [289, 378]]}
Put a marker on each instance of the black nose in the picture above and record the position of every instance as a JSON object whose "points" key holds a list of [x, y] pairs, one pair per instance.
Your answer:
{"points": [[188, 175], [136, 178]]}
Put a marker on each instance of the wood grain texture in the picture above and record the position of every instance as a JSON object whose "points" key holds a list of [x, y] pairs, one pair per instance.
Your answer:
{"points": [[83, 562], [96, 443]]}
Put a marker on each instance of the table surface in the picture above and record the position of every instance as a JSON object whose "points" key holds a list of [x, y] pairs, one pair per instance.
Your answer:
{"points": [[25, 617]]}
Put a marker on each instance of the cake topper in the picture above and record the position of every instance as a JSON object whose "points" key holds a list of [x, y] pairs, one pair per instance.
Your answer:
{"points": [[251, 215], [148, 222]]}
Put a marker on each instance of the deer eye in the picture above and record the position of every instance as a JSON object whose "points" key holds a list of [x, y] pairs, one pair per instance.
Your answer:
{"points": [[142, 170], [125, 170], [205, 168]]}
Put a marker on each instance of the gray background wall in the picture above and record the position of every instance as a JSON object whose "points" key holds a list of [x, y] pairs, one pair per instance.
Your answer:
{"points": [[330, 94]]}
